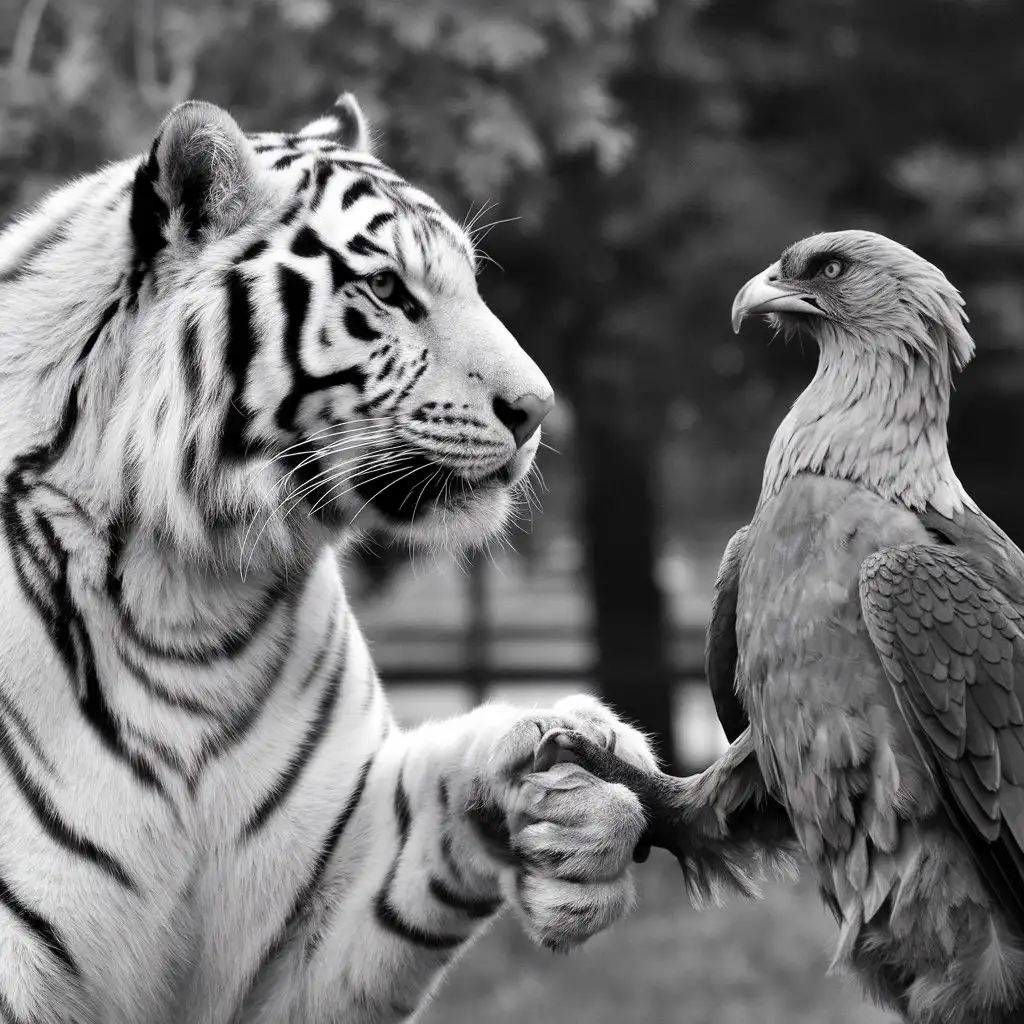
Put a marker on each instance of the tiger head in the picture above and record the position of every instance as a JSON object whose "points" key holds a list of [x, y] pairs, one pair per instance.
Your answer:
{"points": [[323, 357]]}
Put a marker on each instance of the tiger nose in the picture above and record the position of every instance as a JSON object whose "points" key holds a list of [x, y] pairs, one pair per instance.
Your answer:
{"points": [[524, 415]]}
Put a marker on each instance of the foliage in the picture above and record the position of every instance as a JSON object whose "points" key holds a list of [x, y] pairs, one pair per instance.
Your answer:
{"points": [[506, 86]]}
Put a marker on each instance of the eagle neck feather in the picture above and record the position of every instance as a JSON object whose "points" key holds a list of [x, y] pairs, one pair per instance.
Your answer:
{"points": [[875, 414]]}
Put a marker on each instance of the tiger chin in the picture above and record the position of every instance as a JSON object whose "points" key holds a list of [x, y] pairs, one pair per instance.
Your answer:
{"points": [[218, 360]]}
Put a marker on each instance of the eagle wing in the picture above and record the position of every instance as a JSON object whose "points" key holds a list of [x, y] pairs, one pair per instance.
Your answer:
{"points": [[952, 646], [973, 533], [721, 650]]}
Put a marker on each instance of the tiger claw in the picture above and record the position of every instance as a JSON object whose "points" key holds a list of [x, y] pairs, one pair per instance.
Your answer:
{"points": [[556, 747], [662, 797]]}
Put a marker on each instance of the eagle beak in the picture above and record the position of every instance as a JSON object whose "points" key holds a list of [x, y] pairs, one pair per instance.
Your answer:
{"points": [[764, 294]]}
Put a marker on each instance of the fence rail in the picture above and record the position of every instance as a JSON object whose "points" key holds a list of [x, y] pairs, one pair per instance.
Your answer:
{"points": [[516, 640], [447, 662], [411, 675]]}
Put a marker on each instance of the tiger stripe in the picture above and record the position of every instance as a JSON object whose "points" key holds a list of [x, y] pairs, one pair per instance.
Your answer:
{"points": [[43, 930], [49, 817], [237, 356], [304, 897], [310, 743]]}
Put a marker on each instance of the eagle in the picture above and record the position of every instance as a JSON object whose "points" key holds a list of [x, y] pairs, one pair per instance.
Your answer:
{"points": [[866, 653]]}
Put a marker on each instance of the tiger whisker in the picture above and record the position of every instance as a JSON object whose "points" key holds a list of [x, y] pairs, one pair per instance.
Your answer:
{"points": [[366, 423], [478, 234], [335, 471], [522, 508], [264, 503], [377, 494], [298, 496], [441, 504], [312, 454], [334, 449], [356, 481], [419, 497], [385, 461], [480, 254], [296, 499], [310, 442], [315, 456], [485, 207], [362, 423]]}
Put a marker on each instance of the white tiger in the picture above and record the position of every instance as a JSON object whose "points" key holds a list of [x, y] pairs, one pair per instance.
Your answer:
{"points": [[207, 814]]}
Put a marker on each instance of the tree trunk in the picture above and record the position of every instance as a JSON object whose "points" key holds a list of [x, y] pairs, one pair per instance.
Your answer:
{"points": [[632, 670]]}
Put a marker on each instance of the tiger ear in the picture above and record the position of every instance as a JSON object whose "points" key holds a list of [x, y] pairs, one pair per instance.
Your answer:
{"points": [[200, 180], [345, 124]]}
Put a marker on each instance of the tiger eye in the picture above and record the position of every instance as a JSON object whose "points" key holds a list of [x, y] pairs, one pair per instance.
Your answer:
{"points": [[384, 284]]}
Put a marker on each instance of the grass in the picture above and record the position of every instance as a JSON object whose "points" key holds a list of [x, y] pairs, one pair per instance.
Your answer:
{"points": [[749, 963]]}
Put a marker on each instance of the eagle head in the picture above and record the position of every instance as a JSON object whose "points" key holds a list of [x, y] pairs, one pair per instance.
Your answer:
{"points": [[890, 331], [863, 292]]}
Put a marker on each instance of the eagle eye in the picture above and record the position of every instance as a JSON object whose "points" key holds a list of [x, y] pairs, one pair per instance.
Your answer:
{"points": [[832, 269]]}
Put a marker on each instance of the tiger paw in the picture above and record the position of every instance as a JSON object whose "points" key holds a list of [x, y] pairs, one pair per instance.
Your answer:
{"points": [[573, 836], [564, 837]]}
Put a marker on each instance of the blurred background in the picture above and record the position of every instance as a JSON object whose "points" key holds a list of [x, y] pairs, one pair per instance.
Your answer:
{"points": [[633, 163]]}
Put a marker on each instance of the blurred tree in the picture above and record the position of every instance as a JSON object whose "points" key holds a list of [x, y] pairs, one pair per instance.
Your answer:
{"points": [[467, 93]]}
